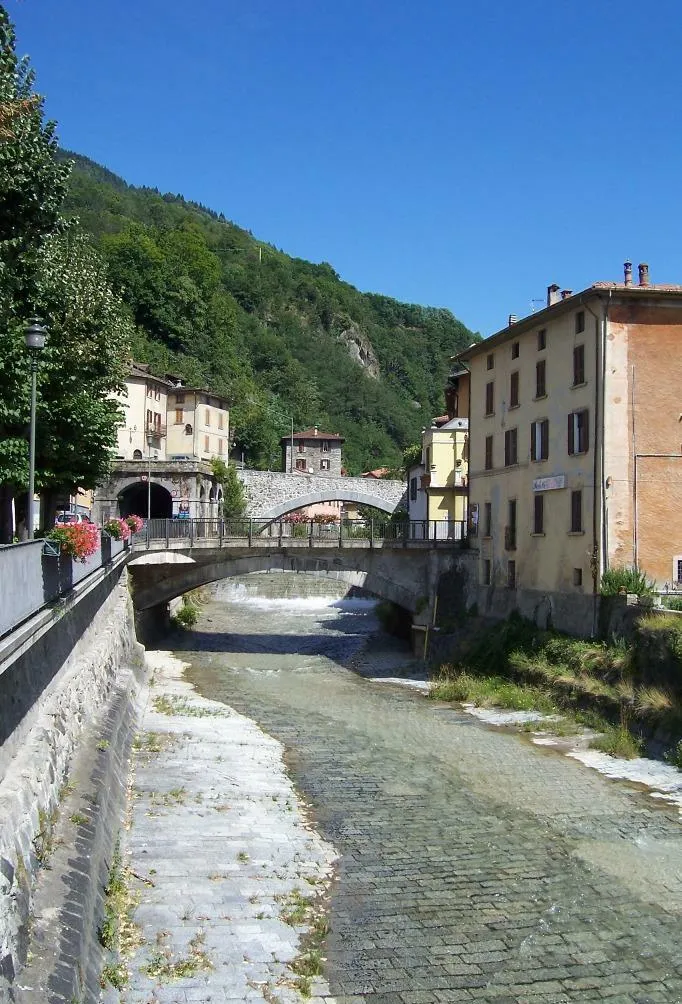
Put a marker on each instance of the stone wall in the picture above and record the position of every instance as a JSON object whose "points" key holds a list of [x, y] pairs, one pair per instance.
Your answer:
{"points": [[271, 494], [50, 692]]}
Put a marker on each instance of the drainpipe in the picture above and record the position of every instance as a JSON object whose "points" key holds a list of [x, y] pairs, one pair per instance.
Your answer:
{"points": [[599, 556]]}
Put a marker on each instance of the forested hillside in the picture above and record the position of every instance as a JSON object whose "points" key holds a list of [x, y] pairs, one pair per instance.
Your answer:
{"points": [[279, 336]]}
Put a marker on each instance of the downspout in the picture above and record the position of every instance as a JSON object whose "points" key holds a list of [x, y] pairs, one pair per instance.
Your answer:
{"points": [[598, 554]]}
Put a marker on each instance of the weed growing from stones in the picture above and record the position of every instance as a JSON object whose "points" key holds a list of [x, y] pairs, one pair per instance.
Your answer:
{"points": [[44, 842], [163, 966], [118, 933], [79, 819], [169, 704]]}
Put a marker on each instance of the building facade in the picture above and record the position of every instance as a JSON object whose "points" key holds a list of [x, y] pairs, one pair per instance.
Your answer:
{"points": [[314, 452], [576, 443], [438, 485]]}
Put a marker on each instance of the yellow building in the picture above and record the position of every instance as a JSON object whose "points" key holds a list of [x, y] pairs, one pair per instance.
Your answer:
{"points": [[437, 486]]}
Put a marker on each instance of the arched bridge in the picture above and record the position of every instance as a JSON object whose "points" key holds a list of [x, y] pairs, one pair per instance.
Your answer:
{"points": [[271, 494], [403, 565]]}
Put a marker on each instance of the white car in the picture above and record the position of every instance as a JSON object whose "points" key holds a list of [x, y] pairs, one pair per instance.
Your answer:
{"points": [[69, 518]]}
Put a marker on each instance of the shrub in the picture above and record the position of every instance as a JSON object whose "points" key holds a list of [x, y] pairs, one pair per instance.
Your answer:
{"points": [[672, 602], [618, 742], [626, 580], [187, 615], [78, 541], [117, 528], [674, 756]]}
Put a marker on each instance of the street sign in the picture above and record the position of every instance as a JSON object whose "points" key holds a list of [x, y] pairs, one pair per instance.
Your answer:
{"points": [[549, 484]]}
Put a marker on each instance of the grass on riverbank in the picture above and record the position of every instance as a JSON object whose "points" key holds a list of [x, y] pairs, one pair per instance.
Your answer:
{"points": [[607, 687]]}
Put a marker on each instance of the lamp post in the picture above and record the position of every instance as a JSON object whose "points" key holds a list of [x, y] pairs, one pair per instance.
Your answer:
{"points": [[35, 335]]}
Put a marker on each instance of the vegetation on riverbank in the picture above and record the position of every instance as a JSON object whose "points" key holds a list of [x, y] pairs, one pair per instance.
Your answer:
{"points": [[624, 690]]}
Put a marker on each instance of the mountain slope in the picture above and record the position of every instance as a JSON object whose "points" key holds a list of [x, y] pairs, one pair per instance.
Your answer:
{"points": [[282, 337]]}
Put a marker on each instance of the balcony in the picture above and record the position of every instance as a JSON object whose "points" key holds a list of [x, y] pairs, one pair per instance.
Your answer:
{"points": [[156, 431], [510, 538]]}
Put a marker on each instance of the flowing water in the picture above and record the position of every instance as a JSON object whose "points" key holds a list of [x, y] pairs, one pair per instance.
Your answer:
{"points": [[473, 865]]}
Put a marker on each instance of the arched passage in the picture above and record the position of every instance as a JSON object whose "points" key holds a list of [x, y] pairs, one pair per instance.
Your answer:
{"points": [[134, 500]]}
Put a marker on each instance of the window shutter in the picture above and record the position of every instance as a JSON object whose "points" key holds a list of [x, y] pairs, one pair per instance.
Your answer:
{"points": [[544, 439], [533, 451], [586, 432], [571, 441]]}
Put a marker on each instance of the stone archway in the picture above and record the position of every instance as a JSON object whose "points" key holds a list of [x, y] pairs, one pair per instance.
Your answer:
{"points": [[134, 499]]}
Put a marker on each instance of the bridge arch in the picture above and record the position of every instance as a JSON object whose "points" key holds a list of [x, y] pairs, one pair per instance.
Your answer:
{"points": [[359, 498], [160, 576], [136, 496]]}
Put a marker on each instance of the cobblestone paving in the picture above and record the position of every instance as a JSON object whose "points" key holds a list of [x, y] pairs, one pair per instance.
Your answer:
{"points": [[475, 867]]}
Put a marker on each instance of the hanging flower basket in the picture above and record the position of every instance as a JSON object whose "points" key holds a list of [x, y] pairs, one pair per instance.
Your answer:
{"points": [[79, 541]]}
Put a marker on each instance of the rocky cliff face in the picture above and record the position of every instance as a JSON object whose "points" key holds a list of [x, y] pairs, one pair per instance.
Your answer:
{"points": [[360, 349]]}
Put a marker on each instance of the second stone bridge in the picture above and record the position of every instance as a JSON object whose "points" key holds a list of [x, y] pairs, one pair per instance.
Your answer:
{"points": [[272, 494]]}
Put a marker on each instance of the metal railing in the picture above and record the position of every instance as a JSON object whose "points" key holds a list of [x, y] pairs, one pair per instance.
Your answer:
{"points": [[219, 532]]}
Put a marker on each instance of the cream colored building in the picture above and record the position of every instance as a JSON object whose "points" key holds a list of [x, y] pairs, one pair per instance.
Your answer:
{"points": [[575, 446], [198, 425], [437, 487], [145, 406], [165, 421]]}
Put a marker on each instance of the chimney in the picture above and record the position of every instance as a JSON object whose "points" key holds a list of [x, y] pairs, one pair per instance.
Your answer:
{"points": [[512, 320], [627, 269], [565, 293], [643, 275], [552, 295], [315, 430]]}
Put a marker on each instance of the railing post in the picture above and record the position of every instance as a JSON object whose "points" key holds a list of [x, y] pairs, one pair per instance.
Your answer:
{"points": [[250, 532], [435, 528], [281, 531], [220, 532], [340, 532], [371, 532], [167, 534], [148, 532], [191, 533]]}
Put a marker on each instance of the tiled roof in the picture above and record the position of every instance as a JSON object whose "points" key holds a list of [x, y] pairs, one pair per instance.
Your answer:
{"points": [[440, 420], [379, 472], [662, 287], [313, 434]]}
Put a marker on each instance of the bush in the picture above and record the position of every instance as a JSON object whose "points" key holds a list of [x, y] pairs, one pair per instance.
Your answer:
{"points": [[618, 742], [187, 615], [672, 602], [626, 580]]}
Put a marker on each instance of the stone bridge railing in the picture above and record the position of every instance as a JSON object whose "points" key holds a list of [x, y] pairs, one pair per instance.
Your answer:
{"points": [[271, 494]]}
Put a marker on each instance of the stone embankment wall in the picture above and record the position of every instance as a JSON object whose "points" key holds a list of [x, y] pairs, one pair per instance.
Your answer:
{"points": [[74, 674]]}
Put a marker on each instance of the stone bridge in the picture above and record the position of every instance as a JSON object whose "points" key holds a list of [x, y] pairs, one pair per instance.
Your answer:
{"points": [[406, 572], [273, 493]]}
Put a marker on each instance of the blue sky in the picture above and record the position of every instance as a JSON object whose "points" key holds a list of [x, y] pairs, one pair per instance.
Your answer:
{"points": [[460, 155]]}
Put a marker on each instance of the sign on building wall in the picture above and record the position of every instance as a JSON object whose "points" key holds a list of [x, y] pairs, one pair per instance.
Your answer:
{"points": [[549, 484]]}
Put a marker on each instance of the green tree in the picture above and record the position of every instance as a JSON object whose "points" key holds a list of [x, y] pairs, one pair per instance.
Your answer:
{"points": [[234, 497], [32, 190]]}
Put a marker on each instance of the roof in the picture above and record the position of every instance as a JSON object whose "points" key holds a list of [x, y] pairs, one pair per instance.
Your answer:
{"points": [[141, 370], [313, 433], [536, 320], [440, 420], [379, 472]]}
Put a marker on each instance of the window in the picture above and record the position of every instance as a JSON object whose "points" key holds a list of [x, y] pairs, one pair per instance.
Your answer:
{"points": [[188, 430], [208, 418], [179, 416], [510, 529], [301, 446], [515, 350], [579, 322], [514, 390], [542, 339], [511, 574], [538, 514], [300, 464], [487, 519], [578, 365], [488, 453], [324, 465], [325, 446], [221, 446], [490, 361], [577, 511], [207, 444], [150, 391], [413, 489], [541, 378], [490, 398], [577, 576], [539, 439], [179, 398], [137, 454], [578, 432], [679, 570], [149, 418], [221, 420], [486, 571], [511, 447]]}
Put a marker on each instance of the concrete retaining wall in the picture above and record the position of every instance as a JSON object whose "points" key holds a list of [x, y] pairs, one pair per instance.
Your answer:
{"points": [[51, 690]]}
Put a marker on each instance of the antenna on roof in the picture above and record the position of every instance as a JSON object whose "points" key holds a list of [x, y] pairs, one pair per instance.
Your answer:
{"points": [[533, 302]]}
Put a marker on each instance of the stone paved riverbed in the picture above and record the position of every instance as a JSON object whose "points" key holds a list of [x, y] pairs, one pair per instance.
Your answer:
{"points": [[474, 866]]}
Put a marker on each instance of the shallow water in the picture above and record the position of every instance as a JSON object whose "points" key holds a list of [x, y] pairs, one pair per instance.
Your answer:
{"points": [[471, 860]]}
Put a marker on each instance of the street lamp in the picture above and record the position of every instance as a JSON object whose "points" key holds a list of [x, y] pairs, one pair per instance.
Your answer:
{"points": [[35, 335], [150, 441]]}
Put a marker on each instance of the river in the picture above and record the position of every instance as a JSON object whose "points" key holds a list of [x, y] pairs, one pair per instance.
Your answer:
{"points": [[473, 865]]}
